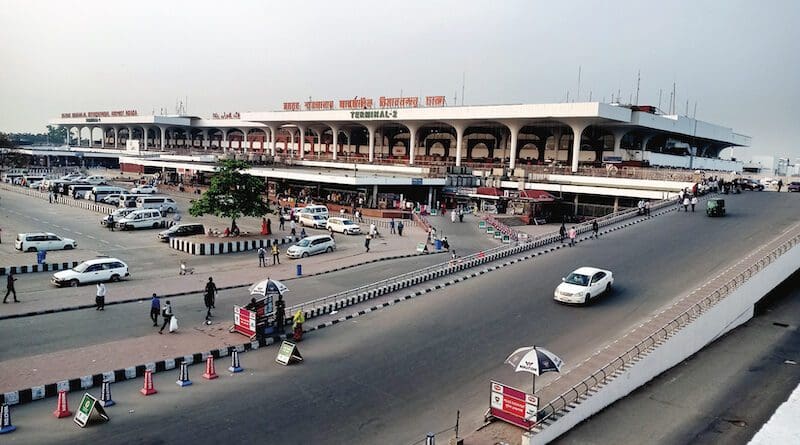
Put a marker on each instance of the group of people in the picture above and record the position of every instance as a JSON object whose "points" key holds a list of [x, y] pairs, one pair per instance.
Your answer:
{"points": [[262, 254], [687, 199]]}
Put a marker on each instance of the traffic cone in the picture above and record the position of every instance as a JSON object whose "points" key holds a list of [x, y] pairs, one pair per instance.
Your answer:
{"points": [[105, 395], [148, 388], [210, 374], [5, 414], [235, 367], [183, 376], [62, 408]]}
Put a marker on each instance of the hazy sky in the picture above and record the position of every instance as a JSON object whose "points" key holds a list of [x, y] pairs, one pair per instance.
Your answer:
{"points": [[739, 60]]}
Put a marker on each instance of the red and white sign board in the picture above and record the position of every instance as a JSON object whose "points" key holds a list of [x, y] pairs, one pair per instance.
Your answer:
{"points": [[512, 405], [244, 321]]}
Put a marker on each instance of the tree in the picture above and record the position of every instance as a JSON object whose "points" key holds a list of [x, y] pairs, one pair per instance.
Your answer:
{"points": [[9, 156], [232, 194], [56, 135]]}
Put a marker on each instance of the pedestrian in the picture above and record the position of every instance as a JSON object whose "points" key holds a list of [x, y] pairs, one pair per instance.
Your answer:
{"points": [[461, 214], [298, 319], [647, 208], [1, 236], [303, 233], [400, 226], [275, 253], [282, 222], [262, 257], [694, 202], [452, 215], [391, 226], [10, 288], [640, 207], [373, 231], [280, 315], [562, 231], [686, 203], [780, 185], [155, 309], [167, 314], [110, 222], [572, 234], [595, 228], [100, 299], [366, 242], [269, 226], [50, 196], [210, 295], [293, 228]]}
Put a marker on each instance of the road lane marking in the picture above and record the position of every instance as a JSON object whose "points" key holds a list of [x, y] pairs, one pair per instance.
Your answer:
{"points": [[104, 241], [78, 233], [121, 247], [90, 236], [36, 219]]}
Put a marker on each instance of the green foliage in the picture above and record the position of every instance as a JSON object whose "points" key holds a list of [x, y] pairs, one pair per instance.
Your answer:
{"points": [[56, 135], [232, 194], [9, 157]]}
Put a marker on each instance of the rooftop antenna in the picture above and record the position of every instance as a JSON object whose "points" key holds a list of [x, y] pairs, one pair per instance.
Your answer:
{"points": [[638, 81], [463, 83], [567, 96], [578, 96], [455, 98], [674, 109], [687, 107], [694, 114], [659, 98], [590, 95]]}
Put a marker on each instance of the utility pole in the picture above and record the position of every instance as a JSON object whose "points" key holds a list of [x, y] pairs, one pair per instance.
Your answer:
{"points": [[638, 82], [463, 83], [578, 96], [659, 98]]}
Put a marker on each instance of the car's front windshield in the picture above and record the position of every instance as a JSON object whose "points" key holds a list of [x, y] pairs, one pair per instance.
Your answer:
{"points": [[80, 268], [577, 279], [303, 243]]}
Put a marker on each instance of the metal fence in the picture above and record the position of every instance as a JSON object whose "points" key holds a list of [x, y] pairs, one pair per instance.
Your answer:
{"points": [[652, 341]]}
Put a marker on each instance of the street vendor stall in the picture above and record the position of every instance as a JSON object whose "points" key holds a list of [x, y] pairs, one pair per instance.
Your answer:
{"points": [[533, 206], [258, 318]]}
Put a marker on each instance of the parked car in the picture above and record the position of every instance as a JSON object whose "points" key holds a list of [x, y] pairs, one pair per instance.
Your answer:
{"points": [[342, 225], [751, 184], [32, 242], [92, 271], [162, 203], [181, 230], [311, 245], [793, 187], [118, 215], [310, 209], [95, 180], [312, 220], [144, 189], [141, 219], [584, 284]]}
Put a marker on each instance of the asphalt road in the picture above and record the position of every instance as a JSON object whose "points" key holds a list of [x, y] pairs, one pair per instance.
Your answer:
{"points": [[394, 374], [722, 394]]}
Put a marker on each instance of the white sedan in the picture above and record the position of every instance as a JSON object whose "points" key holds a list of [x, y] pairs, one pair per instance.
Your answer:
{"points": [[144, 189], [584, 284]]}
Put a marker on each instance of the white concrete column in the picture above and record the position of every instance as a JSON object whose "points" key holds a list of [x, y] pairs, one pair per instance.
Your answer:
{"points": [[460, 128], [335, 131], [116, 137], [163, 137], [290, 149], [145, 130], [618, 135], [302, 141], [412, 141], [349, 142], [244, 139], [645, 140], [577, 131], [371, 130], [273, 139], [514, 129], [319, 132], [103, 138], [130, 133]]}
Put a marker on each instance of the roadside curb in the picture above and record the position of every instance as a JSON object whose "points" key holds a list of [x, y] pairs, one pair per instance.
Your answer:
{"points": [[192, 292], [33, 268]]}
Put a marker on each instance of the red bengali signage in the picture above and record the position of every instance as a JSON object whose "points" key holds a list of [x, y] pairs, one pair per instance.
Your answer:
{"points": [[361, 103], [317, 105], [398, 102], [355, 103], [435, 101], [120, 113], [512, 405], [291, 106], [244, 321]]}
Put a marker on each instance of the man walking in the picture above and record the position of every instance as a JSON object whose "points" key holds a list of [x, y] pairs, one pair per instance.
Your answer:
{"points": [[694, 202], [210, 295], [686, 203], [461, 214], [293, 228], [155, 309], [100, 298], [10, 288], [110, 222], [572, 234], [280, 315], [275, 253], [391, 226], [366, 242], [780, 185], [647, 208], [562, 231], [262, 257], [400, 226], [282, 222], [595, 228], [167, 314]]}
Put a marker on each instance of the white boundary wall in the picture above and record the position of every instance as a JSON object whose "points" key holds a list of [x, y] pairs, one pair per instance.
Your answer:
{"points": [[730, 312]]}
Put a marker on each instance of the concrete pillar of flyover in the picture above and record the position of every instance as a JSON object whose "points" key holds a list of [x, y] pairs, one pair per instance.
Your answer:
{"points": [[335, 131], [302, 142], [514, 129], [104, 133], [616, 204], [347, 134], [130, 133], [577, 131], [144, 138], [244, 140], [204, 132]]}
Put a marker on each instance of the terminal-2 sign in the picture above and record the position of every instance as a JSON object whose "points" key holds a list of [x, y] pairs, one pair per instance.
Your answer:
{"points": [[374, 114]]}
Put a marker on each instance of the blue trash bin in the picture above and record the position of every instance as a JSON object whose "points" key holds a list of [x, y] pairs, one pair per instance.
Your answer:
{"points": [[299, 270], [438, 244]]}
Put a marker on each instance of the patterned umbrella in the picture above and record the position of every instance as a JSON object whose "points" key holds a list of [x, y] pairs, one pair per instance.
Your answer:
{"points": [[268, 286], [536, 360]]}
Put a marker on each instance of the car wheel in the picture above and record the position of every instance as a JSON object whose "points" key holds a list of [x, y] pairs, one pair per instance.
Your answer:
{"points": [[31, 249], [608, 288], [114, 278], [170, 210], [587, 298], [74, 283], [329, 249], [304, 255], [155, 225], [67, 247]]}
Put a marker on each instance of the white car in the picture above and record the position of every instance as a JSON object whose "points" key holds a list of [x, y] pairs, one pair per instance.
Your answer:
{"points": [[144, 189], [95, 180], [311, 246], [343, 225], [92, 271], [584, 284], [315, 221], [32, 242]]}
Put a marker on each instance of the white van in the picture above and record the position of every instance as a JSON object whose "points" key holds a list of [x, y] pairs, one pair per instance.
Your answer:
{"points": [[164, 203], [141, 219], [129, 199], [95, 180], [118, 215], [99, 192], [312, 210], [311, 245], [79, 191]]}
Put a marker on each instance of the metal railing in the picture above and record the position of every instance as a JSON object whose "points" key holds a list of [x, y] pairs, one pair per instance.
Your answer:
{"points": [[653, 340]]}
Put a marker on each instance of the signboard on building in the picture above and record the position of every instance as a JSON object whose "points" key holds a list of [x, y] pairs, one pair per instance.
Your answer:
{"points": [[512, 405], [120, 113], [362, 103]]}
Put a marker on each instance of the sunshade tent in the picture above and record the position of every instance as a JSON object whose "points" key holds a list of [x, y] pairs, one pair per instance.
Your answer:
{"points": [[536, 360], [268, 286]]}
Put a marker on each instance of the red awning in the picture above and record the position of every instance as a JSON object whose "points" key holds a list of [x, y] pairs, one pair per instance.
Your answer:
{"points": [[536, 196], [489, 191]]}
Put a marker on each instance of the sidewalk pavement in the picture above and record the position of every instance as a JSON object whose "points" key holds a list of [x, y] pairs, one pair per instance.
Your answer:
{"points": [[240, 274]]}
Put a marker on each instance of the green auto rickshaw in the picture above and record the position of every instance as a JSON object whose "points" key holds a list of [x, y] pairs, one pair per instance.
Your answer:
{"points": [[715, 207]]}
